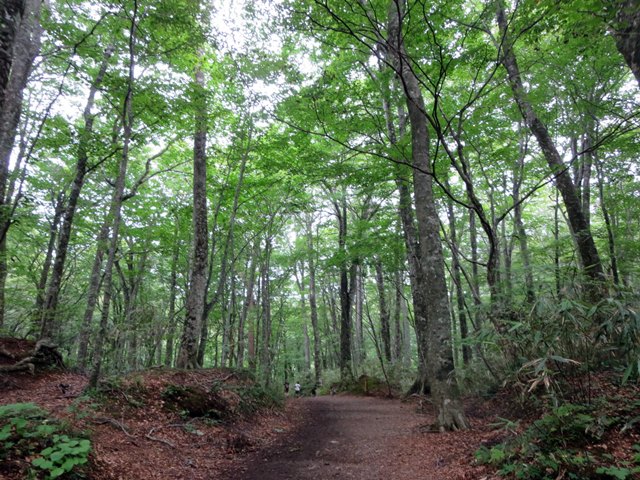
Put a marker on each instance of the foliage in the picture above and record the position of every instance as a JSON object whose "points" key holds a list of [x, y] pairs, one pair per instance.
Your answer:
{"points": [[566, 442], [255, 397], [27, 431], [558, 344]]}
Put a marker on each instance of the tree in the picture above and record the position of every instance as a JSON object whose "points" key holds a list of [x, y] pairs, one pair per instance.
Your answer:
{"points": [[188, 355], [438, 333], [580, 228]]}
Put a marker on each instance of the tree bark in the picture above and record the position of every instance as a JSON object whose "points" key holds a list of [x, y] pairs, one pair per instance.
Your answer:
{"points": [[93, 291], [613, 255], [440, 366], [346, 372], [626, 31], [457, 281], [188, 355], [250, 277], [20, 34], [313, 303], [11, 13], [265, 340], [173, 287], [385, 329], [521, 232]]}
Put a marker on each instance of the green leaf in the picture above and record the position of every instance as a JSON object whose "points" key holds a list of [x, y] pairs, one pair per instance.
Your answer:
{"points": [[42, 463], [55, 473]]}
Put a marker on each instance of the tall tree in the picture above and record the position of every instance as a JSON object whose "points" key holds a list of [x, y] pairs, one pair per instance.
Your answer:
{"points": [[586, 246], [188, 355], [48, 326], [438, 329]]}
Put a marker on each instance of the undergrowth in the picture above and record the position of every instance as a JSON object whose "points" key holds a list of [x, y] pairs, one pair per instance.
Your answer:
{"points": [[569, 442], [36, 445]]}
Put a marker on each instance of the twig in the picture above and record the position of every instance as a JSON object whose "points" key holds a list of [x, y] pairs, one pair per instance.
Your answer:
{"points": [[115, 423], [161, 440]]}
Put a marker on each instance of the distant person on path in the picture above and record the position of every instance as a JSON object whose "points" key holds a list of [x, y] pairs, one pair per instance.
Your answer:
{"points": [[297, 388]]}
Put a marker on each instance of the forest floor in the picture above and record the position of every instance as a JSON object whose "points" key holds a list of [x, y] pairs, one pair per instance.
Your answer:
{"points": [[219, 424], [348, 437], [325, 437]]}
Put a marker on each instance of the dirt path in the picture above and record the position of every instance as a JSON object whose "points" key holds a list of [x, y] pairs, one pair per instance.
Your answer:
{"points": [[361, 438]]}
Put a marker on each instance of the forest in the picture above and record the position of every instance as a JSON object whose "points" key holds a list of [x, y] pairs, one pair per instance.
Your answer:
{"points": [[441, 195]]}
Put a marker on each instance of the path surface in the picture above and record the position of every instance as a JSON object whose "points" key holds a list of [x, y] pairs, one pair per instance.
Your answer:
{"points": [[355, 438]]}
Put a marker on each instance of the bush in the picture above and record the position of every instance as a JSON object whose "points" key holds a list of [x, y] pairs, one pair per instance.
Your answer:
{"points": [[562, 444], [27, 432]]}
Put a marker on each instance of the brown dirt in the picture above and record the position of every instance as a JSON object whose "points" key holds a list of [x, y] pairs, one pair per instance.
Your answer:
{"points": [[135, 435], [344, 437]]}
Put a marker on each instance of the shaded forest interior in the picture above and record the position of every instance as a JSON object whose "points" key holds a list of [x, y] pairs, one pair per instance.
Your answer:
{"points": [[442, 197]]}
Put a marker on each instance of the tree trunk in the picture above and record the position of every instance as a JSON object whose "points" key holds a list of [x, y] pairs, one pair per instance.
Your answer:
{"points": [[48, 258], [188, 355], [626, 31], [457, 281], [48, 326], [115, 212], [398, 352], [12, 12], [265, 340], [405, 210], [385, 330], [608, 224], [521, 232], [246, 307], [346, 373], [587, 250], [20, 34], [92, 293], [173, 284], [440, 366], [313, 304], [358, 292]]}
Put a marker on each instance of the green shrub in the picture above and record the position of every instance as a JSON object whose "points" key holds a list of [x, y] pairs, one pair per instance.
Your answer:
{"points": [[255, 397], [27, 431], [556, 445]]}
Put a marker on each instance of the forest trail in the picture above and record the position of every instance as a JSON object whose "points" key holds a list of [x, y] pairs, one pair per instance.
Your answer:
{"points": [[344, 437]]}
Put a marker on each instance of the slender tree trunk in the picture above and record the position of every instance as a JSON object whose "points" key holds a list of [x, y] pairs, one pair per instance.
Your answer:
{"points": [[457, 281], [246, 306], [48, 258], [224, 262], [173, 287], [440, 366], [587, 250], [265, 344], [556, 242], [313, 304], [115, 212], [188, 355], [49, 327], [92, 293], [385, 330], [608, 224], [398, 353], [519, 226], [358, 291], [405, 208]]}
